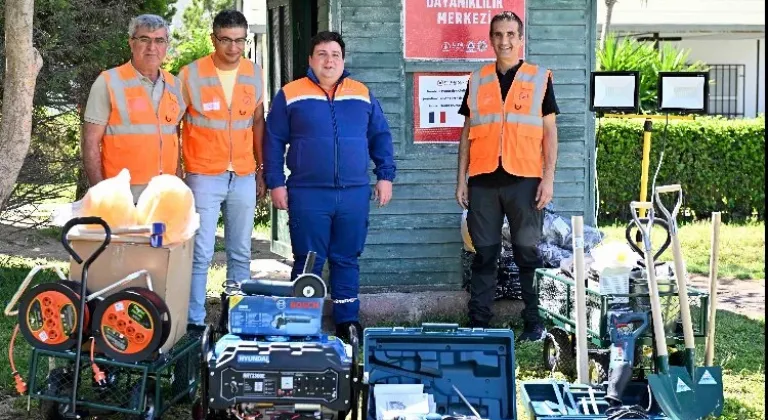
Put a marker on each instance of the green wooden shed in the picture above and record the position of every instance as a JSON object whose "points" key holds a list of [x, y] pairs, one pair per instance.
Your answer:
{"points": [[414, 243]]}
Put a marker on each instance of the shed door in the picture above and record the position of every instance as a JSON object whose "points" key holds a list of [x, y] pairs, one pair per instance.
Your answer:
{"points": [[291, 25]]}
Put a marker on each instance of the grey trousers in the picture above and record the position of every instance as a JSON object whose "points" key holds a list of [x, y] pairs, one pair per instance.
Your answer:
{"points": [[487, 207]]}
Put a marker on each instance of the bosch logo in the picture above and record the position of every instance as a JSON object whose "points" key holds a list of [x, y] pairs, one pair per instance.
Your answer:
{"points": [[305, 305], [280, 304]]}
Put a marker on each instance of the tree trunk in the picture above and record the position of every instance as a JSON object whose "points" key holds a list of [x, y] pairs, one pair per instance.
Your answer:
{"points": [[607, 23], [23, 63]]}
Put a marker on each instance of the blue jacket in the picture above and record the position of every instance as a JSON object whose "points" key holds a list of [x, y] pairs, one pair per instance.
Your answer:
{"points": [[331, 140]]}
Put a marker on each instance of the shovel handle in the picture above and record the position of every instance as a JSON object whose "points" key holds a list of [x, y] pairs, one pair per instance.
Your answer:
{"points": [[677, 254], [670, 216], [709, 353], [659, 334]]}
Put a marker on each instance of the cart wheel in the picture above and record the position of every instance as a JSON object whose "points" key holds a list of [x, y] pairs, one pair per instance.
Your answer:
{"points": [[183, 374], [58, 383], [598, 368], [150, 411], [558, 352]]}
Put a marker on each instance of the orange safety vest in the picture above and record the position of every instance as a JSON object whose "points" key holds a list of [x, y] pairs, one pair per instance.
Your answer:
{"points": [[513, 130], [137, 138], [213, 136]]}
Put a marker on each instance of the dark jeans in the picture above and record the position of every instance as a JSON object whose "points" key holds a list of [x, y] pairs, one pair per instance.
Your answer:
{"points": [[487, 207]]}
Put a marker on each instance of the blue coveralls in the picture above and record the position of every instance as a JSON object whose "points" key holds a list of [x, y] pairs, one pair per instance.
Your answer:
{"points": [[331, 140]]}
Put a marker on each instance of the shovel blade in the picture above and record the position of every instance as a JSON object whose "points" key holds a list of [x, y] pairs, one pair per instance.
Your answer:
{"points": [[664, 395], [709, 390], [675, 395]]}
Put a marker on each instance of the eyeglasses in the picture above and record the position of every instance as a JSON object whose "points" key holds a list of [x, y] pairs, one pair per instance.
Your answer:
{"points": [[240, 42], [145, 40]]}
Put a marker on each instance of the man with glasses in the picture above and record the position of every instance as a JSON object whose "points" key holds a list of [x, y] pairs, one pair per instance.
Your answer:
{"points": [[133, 112], [221, 142], [334, 127], [507, 156]]}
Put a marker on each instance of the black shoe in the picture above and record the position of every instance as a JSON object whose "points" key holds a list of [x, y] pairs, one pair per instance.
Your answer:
{"points": [[533, 333], [342, 331], [194, 330]]}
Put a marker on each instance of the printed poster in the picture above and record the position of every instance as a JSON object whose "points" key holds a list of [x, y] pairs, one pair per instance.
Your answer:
{"points": [[437, 99]]}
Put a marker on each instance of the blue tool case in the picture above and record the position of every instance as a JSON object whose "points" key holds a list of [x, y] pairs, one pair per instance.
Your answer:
{"points": [[444, 358]]}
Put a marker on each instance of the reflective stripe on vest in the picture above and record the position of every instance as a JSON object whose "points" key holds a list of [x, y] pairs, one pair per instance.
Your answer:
{"points": [[215, 135], [137, 134], [512, 129]]}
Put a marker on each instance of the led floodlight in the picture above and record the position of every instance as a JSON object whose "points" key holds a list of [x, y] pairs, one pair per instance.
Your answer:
{"points": [[683, 92], [615, 91]]}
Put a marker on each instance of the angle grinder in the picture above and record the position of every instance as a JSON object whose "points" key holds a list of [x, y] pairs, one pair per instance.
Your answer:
{"points": [[306, 285]]}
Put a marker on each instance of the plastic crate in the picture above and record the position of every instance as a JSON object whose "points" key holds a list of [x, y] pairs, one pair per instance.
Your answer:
{"points": [[480, 363]]}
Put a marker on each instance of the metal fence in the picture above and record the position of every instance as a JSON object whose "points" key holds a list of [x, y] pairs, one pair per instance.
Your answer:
{"points": [[726, 90]]}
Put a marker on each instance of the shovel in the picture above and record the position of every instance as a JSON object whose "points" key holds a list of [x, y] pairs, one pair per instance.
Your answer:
{"points": [[708, 385], [661, 382]]}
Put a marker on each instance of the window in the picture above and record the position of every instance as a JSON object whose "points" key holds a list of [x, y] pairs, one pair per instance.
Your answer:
{"points": [[726, 90]]}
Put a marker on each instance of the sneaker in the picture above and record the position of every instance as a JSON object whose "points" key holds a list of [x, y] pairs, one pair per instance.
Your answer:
{"points": [[535, 333], [342, 331]]}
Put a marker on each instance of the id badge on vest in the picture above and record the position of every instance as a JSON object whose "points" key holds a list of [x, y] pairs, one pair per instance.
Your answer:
{"points": [[212, 106]]}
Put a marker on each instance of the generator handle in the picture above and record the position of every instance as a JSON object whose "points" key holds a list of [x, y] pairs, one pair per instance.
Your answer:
{"points": [[90, 220]]}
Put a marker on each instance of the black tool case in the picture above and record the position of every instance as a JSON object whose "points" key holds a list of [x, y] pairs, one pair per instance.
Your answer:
{"points": [[479, 362]]}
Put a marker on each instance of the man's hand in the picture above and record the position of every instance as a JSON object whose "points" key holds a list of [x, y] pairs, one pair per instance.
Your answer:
{"points": [[544, 192], [383, 192], [280, 198], [462, 195], [261, 188]]}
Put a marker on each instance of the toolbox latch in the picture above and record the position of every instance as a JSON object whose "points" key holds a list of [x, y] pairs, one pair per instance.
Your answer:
{"points": [[428, 327]]}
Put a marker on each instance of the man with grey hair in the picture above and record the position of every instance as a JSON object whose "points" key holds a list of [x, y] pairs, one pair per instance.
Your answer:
{"points": [[133, 112]]}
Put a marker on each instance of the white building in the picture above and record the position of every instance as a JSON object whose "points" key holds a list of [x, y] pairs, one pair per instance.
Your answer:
{"points": [[728, 35]]}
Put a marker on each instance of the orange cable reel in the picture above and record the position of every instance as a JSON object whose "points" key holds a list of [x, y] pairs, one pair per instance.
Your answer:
{"points": [[131, 325], [47, 315]]}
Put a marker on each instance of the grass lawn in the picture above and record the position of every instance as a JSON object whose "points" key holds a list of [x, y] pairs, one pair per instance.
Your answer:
{"points": [[742, 248], [740, 346]]}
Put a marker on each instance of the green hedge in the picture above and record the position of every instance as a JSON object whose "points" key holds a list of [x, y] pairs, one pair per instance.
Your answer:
{"points": [[720, 164]]}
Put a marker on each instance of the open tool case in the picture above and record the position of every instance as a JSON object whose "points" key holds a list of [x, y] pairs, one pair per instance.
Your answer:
{"points": [[548, 399], [480, 363]]}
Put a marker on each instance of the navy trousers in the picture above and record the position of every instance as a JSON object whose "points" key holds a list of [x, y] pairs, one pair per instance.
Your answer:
{"points": [[333, 222]]}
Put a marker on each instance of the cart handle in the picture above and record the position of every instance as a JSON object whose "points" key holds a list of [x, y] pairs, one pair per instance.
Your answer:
{"points": [[91, 220], [644, 220], [24, 284]]}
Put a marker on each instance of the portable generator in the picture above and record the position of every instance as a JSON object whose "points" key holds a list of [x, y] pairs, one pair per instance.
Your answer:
{"points": [[269, 359]]}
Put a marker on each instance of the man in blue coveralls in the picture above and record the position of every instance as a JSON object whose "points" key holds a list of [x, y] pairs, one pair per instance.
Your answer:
{"points": [[333, 126]]}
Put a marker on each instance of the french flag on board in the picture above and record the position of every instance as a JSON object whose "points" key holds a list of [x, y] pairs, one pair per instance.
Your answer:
{"points": [[440, 115]]}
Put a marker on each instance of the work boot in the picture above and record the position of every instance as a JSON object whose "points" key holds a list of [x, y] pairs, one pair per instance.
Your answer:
{"points": [[533, 332], [195, 331], [342, 331]]}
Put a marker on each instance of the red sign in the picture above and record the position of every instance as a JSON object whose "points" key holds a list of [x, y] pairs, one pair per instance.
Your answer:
{"points": [[453, 29], [437, 98]]}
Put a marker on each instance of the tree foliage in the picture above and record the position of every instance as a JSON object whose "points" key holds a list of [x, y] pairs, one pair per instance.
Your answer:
{"points": [[193, 40], [77, 39]]}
